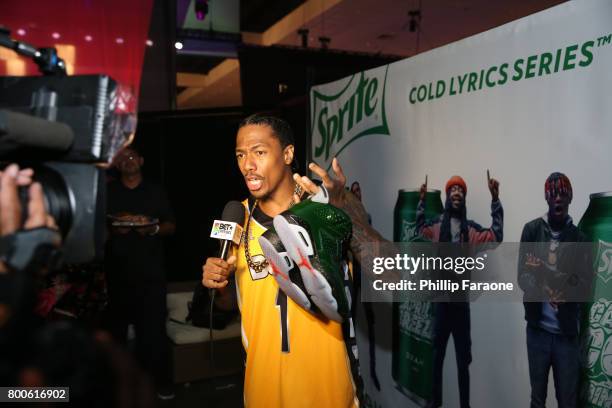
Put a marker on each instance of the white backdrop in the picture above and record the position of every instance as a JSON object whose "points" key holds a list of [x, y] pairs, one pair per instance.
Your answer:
{"points": [[522, 130]]}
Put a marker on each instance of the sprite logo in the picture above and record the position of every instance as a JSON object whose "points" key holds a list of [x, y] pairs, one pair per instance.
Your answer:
{"points": [[408, 231], [604, 261], [598, 393], [355, 111]]}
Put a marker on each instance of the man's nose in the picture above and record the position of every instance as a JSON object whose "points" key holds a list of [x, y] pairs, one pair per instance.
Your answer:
{"points": [[249, 163]]}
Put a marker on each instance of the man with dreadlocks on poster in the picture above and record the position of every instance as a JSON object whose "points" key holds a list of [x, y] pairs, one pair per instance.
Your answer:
{"points": [[454, 317], [552, 321]]}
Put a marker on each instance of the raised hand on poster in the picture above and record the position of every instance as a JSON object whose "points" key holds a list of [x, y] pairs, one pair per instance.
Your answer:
{"points": [[423, 190], [493, 186]]}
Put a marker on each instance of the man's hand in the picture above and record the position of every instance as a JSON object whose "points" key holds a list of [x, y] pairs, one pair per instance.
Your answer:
{"points": [[10, 206], [144, 227], [216, 272], [148, 230], [493, 187], [555, 297], [423, 190], [533, 261], [334, 185]]}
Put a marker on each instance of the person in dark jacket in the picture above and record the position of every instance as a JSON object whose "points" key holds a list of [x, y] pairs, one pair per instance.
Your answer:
{"points": [[548, 266], [453, 317], [140, 217]]}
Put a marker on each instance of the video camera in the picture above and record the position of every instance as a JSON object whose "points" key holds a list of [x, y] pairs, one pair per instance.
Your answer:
{"points": [[63, 127]]}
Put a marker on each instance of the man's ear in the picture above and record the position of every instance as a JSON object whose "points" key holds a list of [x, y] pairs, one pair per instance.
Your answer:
{"points": [[288, 154], [141, 161]]}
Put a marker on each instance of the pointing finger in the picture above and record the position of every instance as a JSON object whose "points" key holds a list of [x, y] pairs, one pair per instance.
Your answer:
{"points": [[338, 170], [316, 169]]}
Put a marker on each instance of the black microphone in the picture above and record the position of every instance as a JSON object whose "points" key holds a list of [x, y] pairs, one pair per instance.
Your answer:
{"points": [[229, 228]]}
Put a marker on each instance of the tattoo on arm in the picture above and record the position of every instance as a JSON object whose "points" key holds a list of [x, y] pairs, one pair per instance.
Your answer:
{"points": [[363, 233]]}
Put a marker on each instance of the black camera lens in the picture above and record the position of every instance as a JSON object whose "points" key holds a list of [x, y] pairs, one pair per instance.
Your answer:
{"points": [[74, 195]]}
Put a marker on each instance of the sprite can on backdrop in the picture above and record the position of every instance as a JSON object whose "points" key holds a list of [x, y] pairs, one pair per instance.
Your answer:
{"points": [[596, 383], [412, 360]]}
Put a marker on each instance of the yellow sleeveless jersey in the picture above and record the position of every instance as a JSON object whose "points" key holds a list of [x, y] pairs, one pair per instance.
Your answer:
{"points": [[294, 359]]}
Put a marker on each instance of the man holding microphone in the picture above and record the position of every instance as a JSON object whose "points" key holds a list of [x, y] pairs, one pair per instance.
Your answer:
{"points": [[294, 358]]}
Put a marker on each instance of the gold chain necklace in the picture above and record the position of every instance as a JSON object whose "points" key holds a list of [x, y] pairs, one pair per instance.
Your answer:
{"points": [[259, 266]]}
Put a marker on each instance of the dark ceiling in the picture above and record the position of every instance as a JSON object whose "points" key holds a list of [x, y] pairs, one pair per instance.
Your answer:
{"points": [[196, 64], [363, 26], [255, 16], [258, 15]]}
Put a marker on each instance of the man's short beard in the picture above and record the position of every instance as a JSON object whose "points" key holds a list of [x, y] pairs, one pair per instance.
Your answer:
{"points": [[457, 212], [556, 220], [125, 172]]}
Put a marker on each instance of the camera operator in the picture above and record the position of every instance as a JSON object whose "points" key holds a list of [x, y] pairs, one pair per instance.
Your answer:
{"points": [[97, 372], [16, 290]]}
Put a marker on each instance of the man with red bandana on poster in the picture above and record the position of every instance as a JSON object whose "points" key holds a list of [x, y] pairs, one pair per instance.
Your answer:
{"points": [[454, 317]]}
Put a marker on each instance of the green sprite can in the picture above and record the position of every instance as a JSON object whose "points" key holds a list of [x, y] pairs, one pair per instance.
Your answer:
{"points": [[596, 383], [412, 360], [404, 213]]}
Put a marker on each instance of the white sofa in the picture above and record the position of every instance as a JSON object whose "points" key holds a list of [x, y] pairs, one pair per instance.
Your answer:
{"points": [[190, 345]]}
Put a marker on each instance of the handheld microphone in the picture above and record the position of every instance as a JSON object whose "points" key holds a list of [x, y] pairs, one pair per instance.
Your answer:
{"points": [[229, 228]]}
